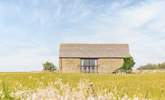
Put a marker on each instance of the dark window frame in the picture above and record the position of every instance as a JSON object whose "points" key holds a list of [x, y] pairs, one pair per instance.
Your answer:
{"points": [[89, 65]]}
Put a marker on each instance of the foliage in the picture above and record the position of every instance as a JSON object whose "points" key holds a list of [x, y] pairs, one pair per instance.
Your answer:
{"points": [[152, 66], [128, 63], [48, 66]]}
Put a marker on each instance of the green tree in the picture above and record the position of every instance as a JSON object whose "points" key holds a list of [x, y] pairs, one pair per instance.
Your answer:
{"points": [[128, 63], [152, 66], [48, 66]]}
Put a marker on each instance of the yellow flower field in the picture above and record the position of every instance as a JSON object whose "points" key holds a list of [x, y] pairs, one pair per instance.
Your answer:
{"points": [[52, 86]]}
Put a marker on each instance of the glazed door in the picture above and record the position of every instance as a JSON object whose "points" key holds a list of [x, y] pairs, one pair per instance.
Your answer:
{"points": [[88, 65]]}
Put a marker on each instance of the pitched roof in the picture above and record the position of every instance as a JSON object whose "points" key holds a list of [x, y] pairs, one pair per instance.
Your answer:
{"points": [[94, 50]]}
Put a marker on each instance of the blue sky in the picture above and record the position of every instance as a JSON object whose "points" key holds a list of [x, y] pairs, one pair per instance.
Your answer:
{"points": [[31, 30]]}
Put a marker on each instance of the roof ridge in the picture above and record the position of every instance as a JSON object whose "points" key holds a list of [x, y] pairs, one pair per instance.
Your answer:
{"points": [[94, 44]]}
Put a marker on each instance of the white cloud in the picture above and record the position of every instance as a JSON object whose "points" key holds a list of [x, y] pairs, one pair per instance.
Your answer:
{"points": [[130, 24], [27, 59], [136, 25], [31, 35]]}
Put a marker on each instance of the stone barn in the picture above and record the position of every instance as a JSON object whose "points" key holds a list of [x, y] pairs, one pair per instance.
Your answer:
{"points": [[92, 58]]}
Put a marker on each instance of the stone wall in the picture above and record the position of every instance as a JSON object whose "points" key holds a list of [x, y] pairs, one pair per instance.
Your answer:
{"points": [[70, 65], [109, 65], [105, 65]]}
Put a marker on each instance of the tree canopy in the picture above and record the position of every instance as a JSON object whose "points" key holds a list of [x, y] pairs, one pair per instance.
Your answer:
{"points": [[128, 63], [152, 66], [48, 66]]}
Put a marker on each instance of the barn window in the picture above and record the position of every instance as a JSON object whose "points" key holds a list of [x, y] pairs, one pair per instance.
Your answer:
{"points": [[88, 65]]}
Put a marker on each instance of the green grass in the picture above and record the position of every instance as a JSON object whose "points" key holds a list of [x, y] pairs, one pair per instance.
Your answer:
{"points": [[151, 85]]}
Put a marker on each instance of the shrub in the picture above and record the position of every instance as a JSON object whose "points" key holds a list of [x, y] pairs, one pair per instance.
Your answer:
{"points": [[48, 66], [152, 66], [128, 63]]}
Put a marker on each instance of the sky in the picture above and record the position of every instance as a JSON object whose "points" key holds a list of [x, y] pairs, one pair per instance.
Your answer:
{"points": [[31, 30]]}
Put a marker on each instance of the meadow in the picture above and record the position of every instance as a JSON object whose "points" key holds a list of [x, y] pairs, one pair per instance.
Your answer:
{"points": [[53, 86]]}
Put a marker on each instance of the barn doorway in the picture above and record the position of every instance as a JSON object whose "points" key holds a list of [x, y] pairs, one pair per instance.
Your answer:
{"points": [[88, 65]]}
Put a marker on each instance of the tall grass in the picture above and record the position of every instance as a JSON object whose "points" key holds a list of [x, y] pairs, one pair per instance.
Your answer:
{"points": [[147, 86], [5, 92]]}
